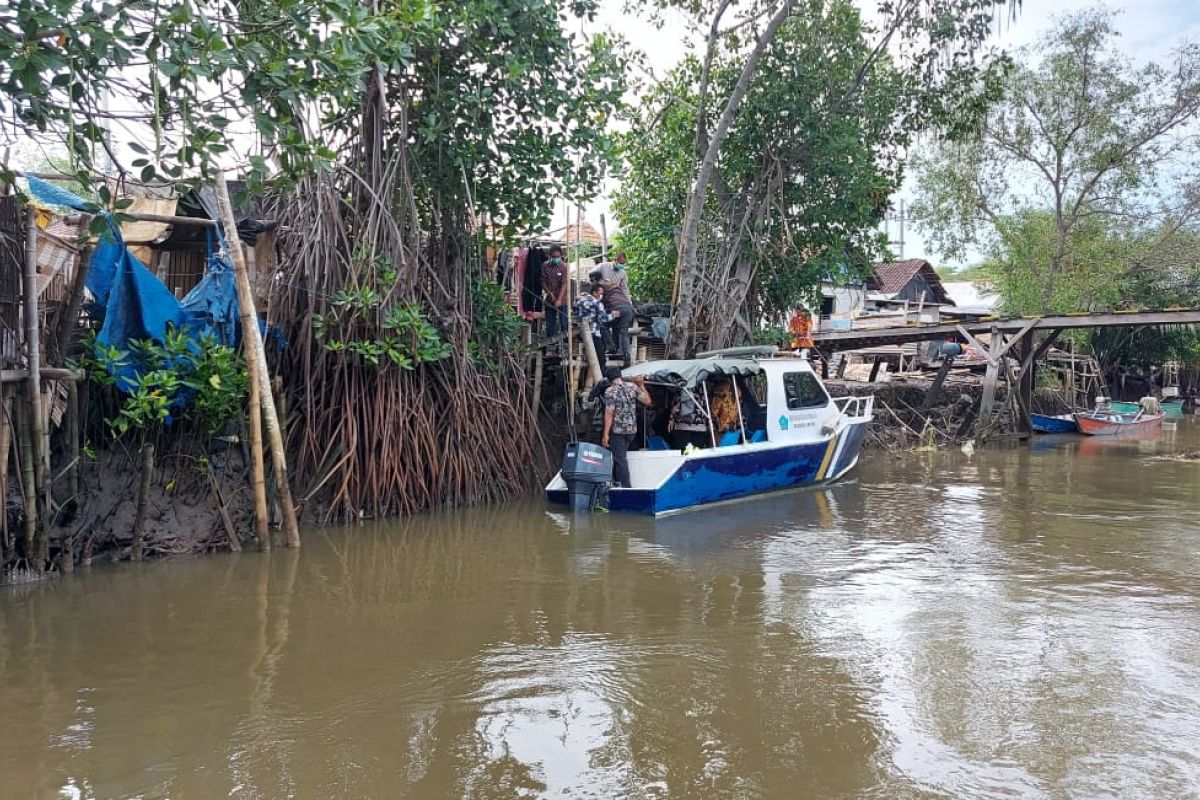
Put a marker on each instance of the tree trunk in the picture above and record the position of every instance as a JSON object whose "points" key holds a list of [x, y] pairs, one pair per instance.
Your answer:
{"points": [[683, 314]]}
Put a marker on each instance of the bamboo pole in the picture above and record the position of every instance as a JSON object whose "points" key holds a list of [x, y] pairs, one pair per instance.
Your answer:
{"points": [[258, 482], [254, 348], [67, 562], [28, 485], [603, 240], [33, 383], [6, 432], [571, 369], [538, 367]]}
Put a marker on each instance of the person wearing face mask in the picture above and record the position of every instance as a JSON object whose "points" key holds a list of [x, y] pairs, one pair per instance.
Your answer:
{"points": [[554, 286], [615, 280]]}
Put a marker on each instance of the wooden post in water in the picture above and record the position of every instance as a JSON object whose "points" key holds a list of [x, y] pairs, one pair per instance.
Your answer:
{"points": [[989, 380], [254, 349], [33, 388], [1024, 385], [249, 326], [6, 432], [143, 500], [67, 562], [935, 388], [25, 457]]}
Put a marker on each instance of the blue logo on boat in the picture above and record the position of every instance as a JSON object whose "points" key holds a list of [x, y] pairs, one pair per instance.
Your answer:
{"points": [[783, 422]]}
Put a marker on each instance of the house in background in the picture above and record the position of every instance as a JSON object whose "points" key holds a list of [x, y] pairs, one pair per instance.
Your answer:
{"points": [[970, 299], [912, 280]]}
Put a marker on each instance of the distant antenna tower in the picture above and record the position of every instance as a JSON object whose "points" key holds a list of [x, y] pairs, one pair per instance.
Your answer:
{"points": [[897, 217]]}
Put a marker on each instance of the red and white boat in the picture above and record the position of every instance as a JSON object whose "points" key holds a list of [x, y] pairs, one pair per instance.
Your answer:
{"points": [[1112, 423]]}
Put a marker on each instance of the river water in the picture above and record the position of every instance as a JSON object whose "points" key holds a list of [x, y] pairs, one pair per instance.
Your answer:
{"points": [[1011, 623]]}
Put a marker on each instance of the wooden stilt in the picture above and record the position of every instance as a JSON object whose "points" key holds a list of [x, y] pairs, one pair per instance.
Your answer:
{"points": [[235, 544], [26, 457], [989, 381], [935, 388], [254, 347], [67, 562], [6, 433], [589, 350], [538, 368], [143, 500], [1024, 387], [33, 349], [249, 324], [875, 369]]}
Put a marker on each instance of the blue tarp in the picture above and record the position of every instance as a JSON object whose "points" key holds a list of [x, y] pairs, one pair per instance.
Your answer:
{"points": [[213, 305], [136, 304]]}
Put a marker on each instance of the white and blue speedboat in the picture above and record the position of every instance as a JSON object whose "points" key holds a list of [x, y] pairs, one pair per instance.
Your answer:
{"points": [[797, 435]]}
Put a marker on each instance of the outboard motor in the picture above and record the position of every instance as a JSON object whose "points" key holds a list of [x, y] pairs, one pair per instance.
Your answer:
{"points": [[587, 471]]}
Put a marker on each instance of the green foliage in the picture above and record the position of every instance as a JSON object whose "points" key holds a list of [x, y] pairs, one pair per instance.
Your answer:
{"points": [[814, 151], [365, 322], [496, 327], [498, 106], [204, 382], [1086, 154], [1090, 276]]}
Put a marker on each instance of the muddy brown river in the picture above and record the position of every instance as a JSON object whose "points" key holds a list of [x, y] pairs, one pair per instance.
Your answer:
{"points": [[1021, 623]]}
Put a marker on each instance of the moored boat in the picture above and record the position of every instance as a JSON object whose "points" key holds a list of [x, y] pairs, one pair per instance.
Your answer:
{"points": [[1172, 409], [1122, 407], [1111, 423], [797, 435], [1056, 423]]}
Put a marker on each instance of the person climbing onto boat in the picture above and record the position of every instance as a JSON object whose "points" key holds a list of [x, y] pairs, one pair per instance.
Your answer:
{"points": [[620, 419], [589, 308], [554, 286], [612, 276]]}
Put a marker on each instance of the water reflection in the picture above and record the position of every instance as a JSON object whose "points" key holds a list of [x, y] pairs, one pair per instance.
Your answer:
{"points": [[1016, 623]]}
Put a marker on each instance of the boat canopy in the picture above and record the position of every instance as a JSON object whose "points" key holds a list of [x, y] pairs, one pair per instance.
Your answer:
{"points": [[690, 373]]}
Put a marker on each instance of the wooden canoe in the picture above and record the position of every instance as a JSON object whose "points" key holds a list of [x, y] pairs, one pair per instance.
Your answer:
{"points": [[1106, 423]]}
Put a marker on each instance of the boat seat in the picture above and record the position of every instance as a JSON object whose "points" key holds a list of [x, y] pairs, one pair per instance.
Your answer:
{"points": [[657, 443], [730, 438], [758, 436]]}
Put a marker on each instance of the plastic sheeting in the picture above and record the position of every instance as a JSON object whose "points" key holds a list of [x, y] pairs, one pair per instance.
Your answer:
{"points": [[135, 304]]}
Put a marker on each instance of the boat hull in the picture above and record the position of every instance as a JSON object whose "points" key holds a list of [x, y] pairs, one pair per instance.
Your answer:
{"points": [[713, 476], [1113, 425], [1172, 410], [1122, 407], [1062, 423]]}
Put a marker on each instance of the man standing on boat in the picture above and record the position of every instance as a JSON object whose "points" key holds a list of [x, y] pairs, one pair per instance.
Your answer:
{"points": [[612, 276], [620, 419]]}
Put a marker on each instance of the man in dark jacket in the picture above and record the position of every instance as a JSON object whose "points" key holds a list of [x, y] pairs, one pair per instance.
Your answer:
{"points": [[554, 287]]}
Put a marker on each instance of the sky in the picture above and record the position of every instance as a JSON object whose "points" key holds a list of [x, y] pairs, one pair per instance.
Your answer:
{"points": [[1149, 30]]}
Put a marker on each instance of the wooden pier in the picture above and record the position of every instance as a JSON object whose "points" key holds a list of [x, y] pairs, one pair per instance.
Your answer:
{"points": [[1024, 340]]}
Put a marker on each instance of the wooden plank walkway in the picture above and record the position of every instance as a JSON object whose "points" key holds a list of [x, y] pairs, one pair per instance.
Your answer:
{"points": [[831, 341]]}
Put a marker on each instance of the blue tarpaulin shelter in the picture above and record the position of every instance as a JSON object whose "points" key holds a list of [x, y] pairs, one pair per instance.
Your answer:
{"points": [[137, 305]]}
